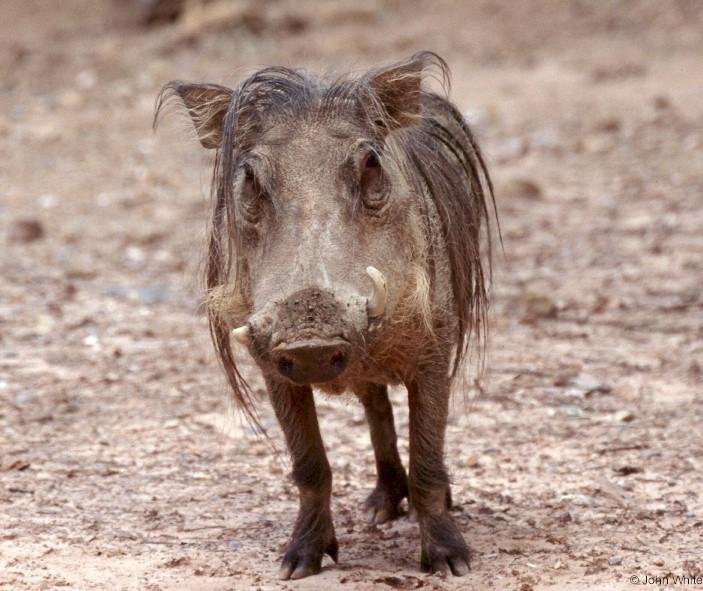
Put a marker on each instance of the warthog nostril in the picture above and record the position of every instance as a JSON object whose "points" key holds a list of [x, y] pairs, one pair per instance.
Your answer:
{"points": [[311, 361], [338, 361], [285, 366]]}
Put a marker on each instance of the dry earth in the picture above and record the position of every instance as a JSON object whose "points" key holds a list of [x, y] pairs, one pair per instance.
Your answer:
{"points": [[578, 458]]}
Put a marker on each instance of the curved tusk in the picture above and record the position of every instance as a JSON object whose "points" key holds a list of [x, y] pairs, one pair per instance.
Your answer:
{"points": [[241, 335], [377, 301]]}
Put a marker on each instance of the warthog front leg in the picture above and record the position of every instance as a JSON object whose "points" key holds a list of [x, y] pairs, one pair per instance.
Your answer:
{"points": [[313, 534], [443, 546], [383, 503]]}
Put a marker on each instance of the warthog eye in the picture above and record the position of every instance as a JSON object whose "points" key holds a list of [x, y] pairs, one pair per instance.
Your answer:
{"points": [[372, 182], [252, 197]]}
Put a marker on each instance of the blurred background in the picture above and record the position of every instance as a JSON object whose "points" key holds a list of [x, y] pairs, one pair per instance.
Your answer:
{"points": [[577, 460]]}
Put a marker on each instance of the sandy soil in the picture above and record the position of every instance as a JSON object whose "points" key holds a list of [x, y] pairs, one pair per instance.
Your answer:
{"points": [[577, 459]]}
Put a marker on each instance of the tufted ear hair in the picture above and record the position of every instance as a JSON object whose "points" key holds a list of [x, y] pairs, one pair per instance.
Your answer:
{"points": [[206, 104], [398, 88]]}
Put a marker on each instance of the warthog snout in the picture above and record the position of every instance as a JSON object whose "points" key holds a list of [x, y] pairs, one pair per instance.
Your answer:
{"points": [[313, 335], [310, 336], [311, 361]]}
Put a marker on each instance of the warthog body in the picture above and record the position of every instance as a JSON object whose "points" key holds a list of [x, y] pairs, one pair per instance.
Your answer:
{"points": [[346, 254]]}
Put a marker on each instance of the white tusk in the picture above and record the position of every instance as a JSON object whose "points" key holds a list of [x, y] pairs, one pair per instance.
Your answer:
{"points": [[377, 301], [241, 335]]}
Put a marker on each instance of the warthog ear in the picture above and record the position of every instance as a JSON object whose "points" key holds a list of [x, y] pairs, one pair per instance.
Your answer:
{"points": [[398, 88], [398, 91], [206, 104]]}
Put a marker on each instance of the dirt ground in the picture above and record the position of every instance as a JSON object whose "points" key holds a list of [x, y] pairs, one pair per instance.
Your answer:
{"points": [[577, 459]]}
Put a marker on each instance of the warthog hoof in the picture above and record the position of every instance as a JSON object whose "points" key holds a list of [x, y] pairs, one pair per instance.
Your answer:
{"points": [[306, 549], [443, 547], [383, 504]]}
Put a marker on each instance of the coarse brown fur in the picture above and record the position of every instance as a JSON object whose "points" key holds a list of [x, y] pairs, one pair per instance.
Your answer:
{"points": [[315, 178]]}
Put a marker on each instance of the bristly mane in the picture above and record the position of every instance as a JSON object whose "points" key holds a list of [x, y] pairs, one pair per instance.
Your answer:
{"points": [[435, 149]]}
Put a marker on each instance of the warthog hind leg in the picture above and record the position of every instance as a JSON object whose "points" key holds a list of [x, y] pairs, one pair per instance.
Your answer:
{"points": [[383, 504]]}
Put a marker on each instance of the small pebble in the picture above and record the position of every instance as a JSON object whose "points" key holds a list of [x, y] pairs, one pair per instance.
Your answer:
{"points": [[661, 101], [48, 200], [472, 461], [624, 416], [26, 230], [510, 149], [24, 398], [91, 341], [539, 305], [523, 188]]}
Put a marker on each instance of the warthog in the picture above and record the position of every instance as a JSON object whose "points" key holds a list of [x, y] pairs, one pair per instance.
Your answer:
{"points": [[348, 251]]}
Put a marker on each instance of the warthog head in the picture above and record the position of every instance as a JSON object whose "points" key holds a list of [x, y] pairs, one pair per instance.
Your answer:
{"points": [[336, 237]]}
